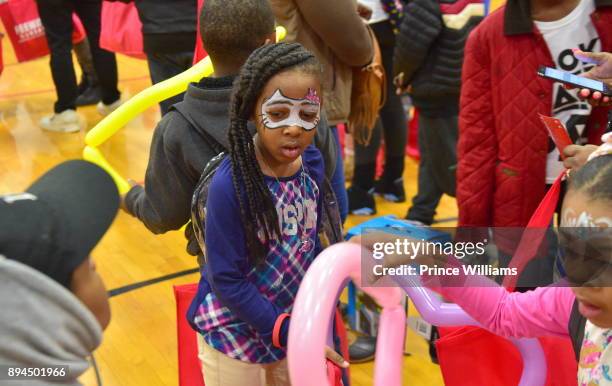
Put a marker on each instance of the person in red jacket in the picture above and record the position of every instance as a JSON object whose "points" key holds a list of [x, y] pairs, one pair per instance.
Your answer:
{"points": [[505, 157]]}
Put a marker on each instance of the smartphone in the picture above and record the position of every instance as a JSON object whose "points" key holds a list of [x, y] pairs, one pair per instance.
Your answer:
{"points": [[574, 80]]}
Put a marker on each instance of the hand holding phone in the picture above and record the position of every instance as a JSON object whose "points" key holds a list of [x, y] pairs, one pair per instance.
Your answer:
{"points": [[574, 80], [602, 71]]}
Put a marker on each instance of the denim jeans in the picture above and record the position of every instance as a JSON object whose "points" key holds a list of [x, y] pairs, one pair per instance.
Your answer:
{"points": [[337, 181]]}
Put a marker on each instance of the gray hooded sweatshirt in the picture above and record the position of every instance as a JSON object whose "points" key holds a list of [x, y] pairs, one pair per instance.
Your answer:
{"points": [[42, 324]]}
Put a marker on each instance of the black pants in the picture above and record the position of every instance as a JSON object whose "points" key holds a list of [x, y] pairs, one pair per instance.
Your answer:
{"points": [[437, 145], [56, 17], [391, 123], [165, 66]]}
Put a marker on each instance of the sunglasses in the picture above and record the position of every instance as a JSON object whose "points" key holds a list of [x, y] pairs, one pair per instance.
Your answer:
{"points": [[586, 254]]}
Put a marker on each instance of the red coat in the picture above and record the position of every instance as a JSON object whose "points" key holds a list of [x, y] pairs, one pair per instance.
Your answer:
{"points": [[503, 145]]}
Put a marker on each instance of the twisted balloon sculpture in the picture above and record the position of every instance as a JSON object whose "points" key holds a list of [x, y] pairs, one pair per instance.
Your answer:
{"points": [[316, 300]]}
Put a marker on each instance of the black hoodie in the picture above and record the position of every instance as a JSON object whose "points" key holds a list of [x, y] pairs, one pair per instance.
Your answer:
{"points": [[168, 26], [183, 142]]}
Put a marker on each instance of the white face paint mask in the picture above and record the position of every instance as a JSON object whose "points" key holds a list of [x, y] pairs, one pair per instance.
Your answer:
{"points": [[584, 219], [281, 111]]}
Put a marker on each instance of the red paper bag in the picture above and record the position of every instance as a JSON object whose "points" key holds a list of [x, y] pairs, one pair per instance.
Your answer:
{"points": [[26, 32], [24, 28], [472, 356], [190, 371], [121, 29]]}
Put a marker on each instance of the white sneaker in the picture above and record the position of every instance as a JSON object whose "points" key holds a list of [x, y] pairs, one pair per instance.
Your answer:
{"points": [[105, 109], [65, 122]]}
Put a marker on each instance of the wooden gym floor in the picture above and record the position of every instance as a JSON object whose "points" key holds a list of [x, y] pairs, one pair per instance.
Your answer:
{"points": [[139, 347]]}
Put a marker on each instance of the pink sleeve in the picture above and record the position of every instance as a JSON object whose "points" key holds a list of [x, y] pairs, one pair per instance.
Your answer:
{"points": [[543, 311]]}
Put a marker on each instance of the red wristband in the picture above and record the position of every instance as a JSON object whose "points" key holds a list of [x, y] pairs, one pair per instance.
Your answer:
{"points": [[277, 329]]}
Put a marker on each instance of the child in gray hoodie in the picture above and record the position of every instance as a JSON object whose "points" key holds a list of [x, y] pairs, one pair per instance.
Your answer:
{"points": [[54, 304]]}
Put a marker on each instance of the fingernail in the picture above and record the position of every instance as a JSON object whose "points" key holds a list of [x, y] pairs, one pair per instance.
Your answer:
{"points": [[345, 364]]}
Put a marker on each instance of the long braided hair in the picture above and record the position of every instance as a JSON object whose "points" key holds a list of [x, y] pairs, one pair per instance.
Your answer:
{"points": [[259, 211]]}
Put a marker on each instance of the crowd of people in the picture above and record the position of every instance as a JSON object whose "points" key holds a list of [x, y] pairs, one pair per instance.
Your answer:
{"points": [[250, 159]]}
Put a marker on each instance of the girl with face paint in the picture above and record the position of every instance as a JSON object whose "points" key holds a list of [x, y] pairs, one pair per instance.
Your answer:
{"points": [[580, 307], [263, 215]]}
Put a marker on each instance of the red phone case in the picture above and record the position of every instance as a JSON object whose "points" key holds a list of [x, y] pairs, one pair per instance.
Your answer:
{"points": [[557, 132]]}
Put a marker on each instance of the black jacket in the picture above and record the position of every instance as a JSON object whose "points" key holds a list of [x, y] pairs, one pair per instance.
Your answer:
{"points": [[429, 51], [184, 141], [168, 26]]}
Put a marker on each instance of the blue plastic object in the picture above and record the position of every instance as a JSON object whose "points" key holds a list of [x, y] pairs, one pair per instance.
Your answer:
{"points": [[392, 224], [389, 224]]}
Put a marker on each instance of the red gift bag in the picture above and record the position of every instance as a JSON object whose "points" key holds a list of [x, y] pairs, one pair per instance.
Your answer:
{"points": [[121, 29], [472, 356], [189, 368], [26, 32], [24, 28]]}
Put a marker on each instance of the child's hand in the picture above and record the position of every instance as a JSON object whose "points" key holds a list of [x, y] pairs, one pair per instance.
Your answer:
{"points": [[394, 260], [122, 204], [333, 356], [576, 156]]}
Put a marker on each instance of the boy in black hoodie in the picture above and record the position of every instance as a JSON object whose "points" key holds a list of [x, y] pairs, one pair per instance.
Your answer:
{"points": [[195, 130]]}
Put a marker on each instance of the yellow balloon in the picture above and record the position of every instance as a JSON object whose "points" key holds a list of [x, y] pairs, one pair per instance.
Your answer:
{"points": [[281, 33], [495, 4], [145, 99], [139, 103], [94, 155]]}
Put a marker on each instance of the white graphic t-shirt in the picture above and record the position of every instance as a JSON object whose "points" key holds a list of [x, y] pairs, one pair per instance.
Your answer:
{"points": [[378, 12], [573, 31]]}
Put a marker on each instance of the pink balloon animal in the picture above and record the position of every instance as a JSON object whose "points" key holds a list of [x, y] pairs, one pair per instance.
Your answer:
{"points": [[316, 300]]}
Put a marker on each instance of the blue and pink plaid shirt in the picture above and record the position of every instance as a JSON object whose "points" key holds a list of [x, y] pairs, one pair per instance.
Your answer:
{"points": [[237, 303]]}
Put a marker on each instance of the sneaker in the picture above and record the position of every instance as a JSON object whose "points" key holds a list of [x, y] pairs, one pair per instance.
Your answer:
{"points": [[416, 223], [393, 191], [65, 122], [361, 202], [105, 109], [83, 84], [419, 223], [89, 96], [433, 351], [363, 349]]}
